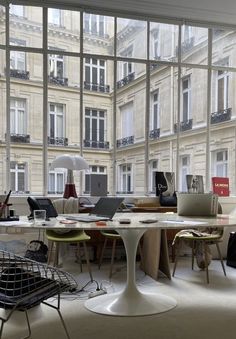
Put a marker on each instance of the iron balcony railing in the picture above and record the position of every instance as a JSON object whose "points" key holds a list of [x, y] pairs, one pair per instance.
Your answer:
{"points": [[58, 80], [24, 138], [58, 141], [20, 74], [125, 141], [184, 126], [126, 80], [154, 134], [221, 116], [90, 86], [96, 144]]}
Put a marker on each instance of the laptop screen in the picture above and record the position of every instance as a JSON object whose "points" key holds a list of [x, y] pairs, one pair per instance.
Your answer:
{"points": [[106, 206]]}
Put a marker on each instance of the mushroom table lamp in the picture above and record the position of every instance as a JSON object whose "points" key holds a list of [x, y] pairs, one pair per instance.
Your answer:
{"points": [[72, 163]]}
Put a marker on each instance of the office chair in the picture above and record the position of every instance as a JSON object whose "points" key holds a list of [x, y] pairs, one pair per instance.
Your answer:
{"points": [[25, 283], [199, 241], [58, 237], [114, 237]]}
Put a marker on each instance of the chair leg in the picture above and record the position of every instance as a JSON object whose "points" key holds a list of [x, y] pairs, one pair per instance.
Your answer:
{"points": [[206, 264], [63, 323], [50, 248], [56, 257], [177, 250], [78, 256], [87, 260], [193, 254], [112, 257], [221, 259], [102, 253], [28, 324]]}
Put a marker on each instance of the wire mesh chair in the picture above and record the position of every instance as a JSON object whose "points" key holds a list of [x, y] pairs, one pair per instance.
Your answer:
{"points": [[25, 283]]}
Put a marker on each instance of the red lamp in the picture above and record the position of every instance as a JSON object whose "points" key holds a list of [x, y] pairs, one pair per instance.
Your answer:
{"points": [[72, 163]]}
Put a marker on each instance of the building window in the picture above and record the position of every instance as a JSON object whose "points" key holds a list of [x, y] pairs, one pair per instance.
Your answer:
{"points": [[93, 170], [17, 58], [126, 66], [56, 182], [155, 115], [18, 177], [17, 10], [95, 128], [156, 44], [54, 16], [126, 178], [220, 163], [95, 73], [187, 33], [56, 66], [184, 170], [18, 116], [127, 120], [222, 90], [56, 122], [94, 24], [152, 175], [186, 95]]}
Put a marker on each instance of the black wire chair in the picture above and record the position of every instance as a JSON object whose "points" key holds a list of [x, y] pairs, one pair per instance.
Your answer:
{"points": [[25, 283]]}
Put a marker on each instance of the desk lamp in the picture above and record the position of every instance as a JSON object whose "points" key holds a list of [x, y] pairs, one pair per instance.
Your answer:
{"points": [[72, 163]]}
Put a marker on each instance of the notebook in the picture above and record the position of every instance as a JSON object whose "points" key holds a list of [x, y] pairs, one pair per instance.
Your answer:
{"points": [[104, 209], [197, 204]]}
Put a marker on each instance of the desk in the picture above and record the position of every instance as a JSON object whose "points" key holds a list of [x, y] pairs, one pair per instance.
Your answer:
{"points": [[132, 301]]}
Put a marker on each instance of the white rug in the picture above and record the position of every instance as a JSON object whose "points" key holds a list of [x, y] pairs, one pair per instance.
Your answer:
{"points": [[203, 311]]}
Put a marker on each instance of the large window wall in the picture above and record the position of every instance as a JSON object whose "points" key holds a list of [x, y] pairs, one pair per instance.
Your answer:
{"points": [[130, 95]]}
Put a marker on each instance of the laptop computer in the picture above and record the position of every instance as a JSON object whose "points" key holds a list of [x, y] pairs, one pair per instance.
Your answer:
{"points": [[104, 209], [197, 204]]}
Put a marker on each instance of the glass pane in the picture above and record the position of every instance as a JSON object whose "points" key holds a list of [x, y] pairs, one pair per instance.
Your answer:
{"points": [[223, 47], [63, 30], [98, 34], [2, 125], [27, 112], [222, 126], [194, 45], [22, 16], [130, 128], [163, 41], [131, 38], [193, 122], [2, 26]]}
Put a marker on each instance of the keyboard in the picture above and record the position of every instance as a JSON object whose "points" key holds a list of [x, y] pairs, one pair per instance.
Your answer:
{"points": [[87, 218]]}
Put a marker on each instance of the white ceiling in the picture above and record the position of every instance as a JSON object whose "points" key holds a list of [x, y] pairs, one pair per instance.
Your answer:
{"points": [[222, 11]]}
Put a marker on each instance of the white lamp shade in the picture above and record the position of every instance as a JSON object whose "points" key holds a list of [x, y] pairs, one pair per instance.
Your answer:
{"points": [[72, 162]]}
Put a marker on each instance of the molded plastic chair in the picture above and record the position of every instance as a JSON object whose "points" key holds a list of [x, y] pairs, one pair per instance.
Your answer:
{"points": [[114, 236], [210, 239], [206, 240], [68, 206], [211, 236], [25, 283]]}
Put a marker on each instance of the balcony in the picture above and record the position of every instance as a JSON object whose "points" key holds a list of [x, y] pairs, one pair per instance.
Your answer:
{"points": [[125, 141], [96, 144], [58, 80], [58, 141], [154, 134], [184, 126], [96, 87], [221, 116], [20, 74], [23, 138], [126, 80]]}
